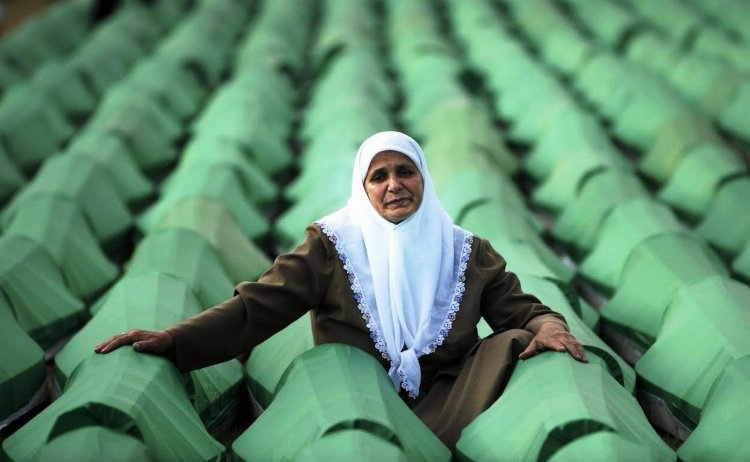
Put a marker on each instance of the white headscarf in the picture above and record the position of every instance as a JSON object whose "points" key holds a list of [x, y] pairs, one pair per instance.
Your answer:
{"points": [[408, 277]]}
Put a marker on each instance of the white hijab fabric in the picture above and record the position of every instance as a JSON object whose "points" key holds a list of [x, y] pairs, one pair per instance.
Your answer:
{"points": [[408, 277]]}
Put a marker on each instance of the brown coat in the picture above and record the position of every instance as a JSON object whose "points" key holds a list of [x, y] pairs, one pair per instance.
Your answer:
{"points": [[313, 278]]}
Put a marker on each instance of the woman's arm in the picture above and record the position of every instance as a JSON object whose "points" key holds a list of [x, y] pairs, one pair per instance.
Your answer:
{"points": [[294, 284]]}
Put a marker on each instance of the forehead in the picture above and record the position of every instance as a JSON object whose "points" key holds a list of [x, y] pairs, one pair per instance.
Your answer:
{"points": [[389, 158]]}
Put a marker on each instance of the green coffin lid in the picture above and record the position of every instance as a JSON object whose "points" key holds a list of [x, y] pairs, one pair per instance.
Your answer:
{"points": [[60, 83], [11, 179], [562, 185], [86, 184], [220, 183], [34, 286], [58, 226], [325, 118], [674, 140], [351, 444], [602, 81], [22, 370], [550, 294], [654, 51], [98, 68], [722, 431], [175, 87], [734, 116], [570, 135], [241, 259], [608, 21], [289, 229], [705, 327], [726, 223], [741, 264], [538, 116], [188, 256], [581, 220], [655, 270], [94, 443], [694, 184], [154, 301], [111, 153], [604, 445], [550, 402], [710, 83], [330, 388], [27, 49], [626, 226], [136, 394], [269, 360], [204, 153], [31, 128], [566, 50], [671, 17], [8, 75]]}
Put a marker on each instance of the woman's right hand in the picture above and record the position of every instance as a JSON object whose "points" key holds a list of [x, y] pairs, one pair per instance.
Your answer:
{"points": [[143, 341]]}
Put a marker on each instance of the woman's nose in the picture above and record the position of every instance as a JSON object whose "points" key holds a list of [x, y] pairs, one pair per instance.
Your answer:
{"points": [[394, 184]]}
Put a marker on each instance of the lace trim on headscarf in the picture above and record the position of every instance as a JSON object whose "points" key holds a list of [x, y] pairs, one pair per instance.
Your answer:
{"points": [[372, 325]]}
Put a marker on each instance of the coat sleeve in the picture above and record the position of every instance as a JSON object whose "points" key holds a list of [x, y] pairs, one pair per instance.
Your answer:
{"points": [[503, 304], [294, 284]]}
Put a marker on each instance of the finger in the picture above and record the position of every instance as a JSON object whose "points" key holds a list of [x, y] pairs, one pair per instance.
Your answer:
{"points": [[576, 350], [530, 350], [556, 345], [126, 338]]}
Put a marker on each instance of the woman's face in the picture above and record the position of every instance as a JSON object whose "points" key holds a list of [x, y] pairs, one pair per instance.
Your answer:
{"points": [[394, 186]]}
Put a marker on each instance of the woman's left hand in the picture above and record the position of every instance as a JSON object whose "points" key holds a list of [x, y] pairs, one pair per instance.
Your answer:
{"points": [[553, 336]]}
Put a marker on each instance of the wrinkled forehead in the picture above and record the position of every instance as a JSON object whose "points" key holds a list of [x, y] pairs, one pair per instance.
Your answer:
{"points": [[388, 141]]}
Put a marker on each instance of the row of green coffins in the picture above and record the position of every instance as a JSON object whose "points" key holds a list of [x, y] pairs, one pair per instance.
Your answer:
{"points": [[53, 227], [637, 248]]}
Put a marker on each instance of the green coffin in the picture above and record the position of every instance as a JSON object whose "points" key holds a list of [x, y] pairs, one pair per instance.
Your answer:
{"points": [[335, 388], [654, 271], [132, 393], [726, 224], [187, 256], [550, 402], [269, 360], [35, 289], [734, 116], [221, 184], [626, 226], [580, 222], [608, 21], [694, 184], [604, 445], [242, 260], [11, 179], [60, 83], [92, 444], [705, 327], [351, 444], [58, 226], [22, 370], [722, 431]]}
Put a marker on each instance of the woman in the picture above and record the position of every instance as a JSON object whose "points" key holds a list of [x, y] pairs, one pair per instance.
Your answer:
{"points": [[391, 274]]}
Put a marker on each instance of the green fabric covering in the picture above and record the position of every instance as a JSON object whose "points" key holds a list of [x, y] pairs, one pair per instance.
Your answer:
{"points": [[674, 141], [566, 50], [655, 270], [734, 116], [603, 445], [726, 224], [146, 128], [154, 301], [111, 153], [131, 393], [26, 48], [581, 220], [626, 226], [602, 82], [608, 21], [220, 183], [741, 264], [289, 228], [704, 328], [551, 401], [87, 185], [241, 259], [330, 388], [57, 225], [31, 128], [711, 84], [11, 179], [589, 315], [721, 434], [269, 360], [538, 114], [720, 46], [94, 443], [204, 153], [98, 67], [187, 256], [514, 237], [695, 182], [22, 370], [34, 286], [60, 83], [671, 17], [351, 444], [568, 137], [551, 295]]}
